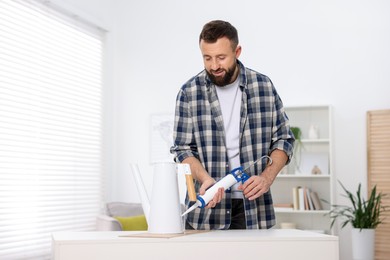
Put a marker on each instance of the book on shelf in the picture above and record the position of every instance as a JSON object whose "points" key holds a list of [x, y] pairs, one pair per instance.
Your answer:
{"points": [[316, 200], [309, 199], [301, 198], [305, 199], [295, 198]]}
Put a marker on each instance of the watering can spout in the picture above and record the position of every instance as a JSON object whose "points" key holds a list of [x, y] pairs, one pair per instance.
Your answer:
{"points": [[141, 190]]}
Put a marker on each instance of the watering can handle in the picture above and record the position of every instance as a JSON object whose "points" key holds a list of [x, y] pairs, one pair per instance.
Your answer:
{"points": [[184, 168], [190, 187]]}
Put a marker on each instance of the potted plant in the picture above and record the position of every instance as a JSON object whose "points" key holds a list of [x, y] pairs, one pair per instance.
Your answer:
{"points": [[364, 216], [297, 148]]}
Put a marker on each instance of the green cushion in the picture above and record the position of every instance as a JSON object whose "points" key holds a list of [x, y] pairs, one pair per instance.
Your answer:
{"points": [[133, 223]]}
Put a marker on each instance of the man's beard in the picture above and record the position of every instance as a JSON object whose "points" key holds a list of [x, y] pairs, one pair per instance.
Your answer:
{"points": [[225, 80]]}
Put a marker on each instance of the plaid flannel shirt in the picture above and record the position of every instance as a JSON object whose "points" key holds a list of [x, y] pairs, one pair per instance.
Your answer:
{"points": [[199, 132]]}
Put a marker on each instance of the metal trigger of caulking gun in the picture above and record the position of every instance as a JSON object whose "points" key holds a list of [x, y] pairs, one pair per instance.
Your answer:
{"points": [[236, 175], [261, 158], [241, 172]]}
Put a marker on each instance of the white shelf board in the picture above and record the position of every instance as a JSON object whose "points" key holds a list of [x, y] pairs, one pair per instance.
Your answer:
{"points": [[316, 141], [319, 176], [290, 211]]}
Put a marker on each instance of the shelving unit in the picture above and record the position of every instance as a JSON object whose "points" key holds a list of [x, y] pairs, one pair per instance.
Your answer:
{"points": [[316, 150]]}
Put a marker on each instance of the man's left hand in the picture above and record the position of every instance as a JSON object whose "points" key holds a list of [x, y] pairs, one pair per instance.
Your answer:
{"points": [[255, 186]]}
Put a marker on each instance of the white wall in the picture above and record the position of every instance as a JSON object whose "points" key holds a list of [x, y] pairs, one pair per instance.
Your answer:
{"points": [[316, 52]]}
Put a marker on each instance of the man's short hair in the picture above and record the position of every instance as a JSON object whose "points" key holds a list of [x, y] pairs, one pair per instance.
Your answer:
{"points": [[214, 30]]}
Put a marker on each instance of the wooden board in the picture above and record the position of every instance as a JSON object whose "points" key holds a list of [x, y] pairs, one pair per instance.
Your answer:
{"points": [[155, 235], [378, 162]]}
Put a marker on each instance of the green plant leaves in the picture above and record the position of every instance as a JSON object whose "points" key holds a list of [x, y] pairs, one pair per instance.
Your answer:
{"points": [[297, 132], [362, 213]]}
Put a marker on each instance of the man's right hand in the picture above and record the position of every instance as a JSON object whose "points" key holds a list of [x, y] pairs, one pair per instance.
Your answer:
{"points": [[217, 197], [200, 174]]}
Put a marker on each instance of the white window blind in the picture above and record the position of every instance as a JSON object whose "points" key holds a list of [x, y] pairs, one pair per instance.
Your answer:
{"points": [[50, 127]]}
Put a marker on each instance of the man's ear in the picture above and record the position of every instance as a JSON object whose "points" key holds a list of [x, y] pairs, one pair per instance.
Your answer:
{"points": [[238, 51]]}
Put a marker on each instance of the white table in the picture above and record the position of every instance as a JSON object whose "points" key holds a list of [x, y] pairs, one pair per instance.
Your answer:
{"points": [[275, 244]]}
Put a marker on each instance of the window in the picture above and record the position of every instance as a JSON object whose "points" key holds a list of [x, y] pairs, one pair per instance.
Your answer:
{"points": [[50, 127]]}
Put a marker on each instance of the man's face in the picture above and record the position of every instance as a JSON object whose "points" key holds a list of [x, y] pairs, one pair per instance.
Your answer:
{"points": [[220, 61]]}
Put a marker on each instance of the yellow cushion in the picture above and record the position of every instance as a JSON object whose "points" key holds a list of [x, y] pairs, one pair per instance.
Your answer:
{"points": [[133, 223]]}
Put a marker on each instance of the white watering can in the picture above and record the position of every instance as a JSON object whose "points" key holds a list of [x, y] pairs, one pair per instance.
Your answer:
{"points": [[163, 211]]}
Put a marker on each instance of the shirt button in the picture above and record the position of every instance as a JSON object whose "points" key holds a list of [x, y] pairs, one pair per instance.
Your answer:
{"points": [[228, 212]]}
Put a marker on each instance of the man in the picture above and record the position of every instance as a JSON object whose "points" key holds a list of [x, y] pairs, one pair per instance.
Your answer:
{"points": [[229, 116]]}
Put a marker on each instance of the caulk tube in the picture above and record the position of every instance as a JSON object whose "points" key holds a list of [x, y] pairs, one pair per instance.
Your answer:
{"points": [[225, 183]]}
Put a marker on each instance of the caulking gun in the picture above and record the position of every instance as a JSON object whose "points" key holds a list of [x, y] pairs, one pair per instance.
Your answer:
{"points": [[236, 175]]}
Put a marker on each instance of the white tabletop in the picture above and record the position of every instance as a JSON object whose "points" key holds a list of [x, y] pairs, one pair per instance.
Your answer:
{"points": [[276, 244], [216, 235]]}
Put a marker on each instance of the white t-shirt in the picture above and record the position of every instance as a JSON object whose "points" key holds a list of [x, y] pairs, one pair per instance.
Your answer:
{"points": [[229, 98]]}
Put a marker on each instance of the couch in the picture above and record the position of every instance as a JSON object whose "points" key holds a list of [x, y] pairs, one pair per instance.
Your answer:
{"points": [[109, 221]]}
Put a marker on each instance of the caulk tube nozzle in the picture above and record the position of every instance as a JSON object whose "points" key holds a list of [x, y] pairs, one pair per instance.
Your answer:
{"points": [[202, 200], [191, 208]]}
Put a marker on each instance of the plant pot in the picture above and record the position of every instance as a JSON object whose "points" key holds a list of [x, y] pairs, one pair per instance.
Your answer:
{"points": [[363, 244]]}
